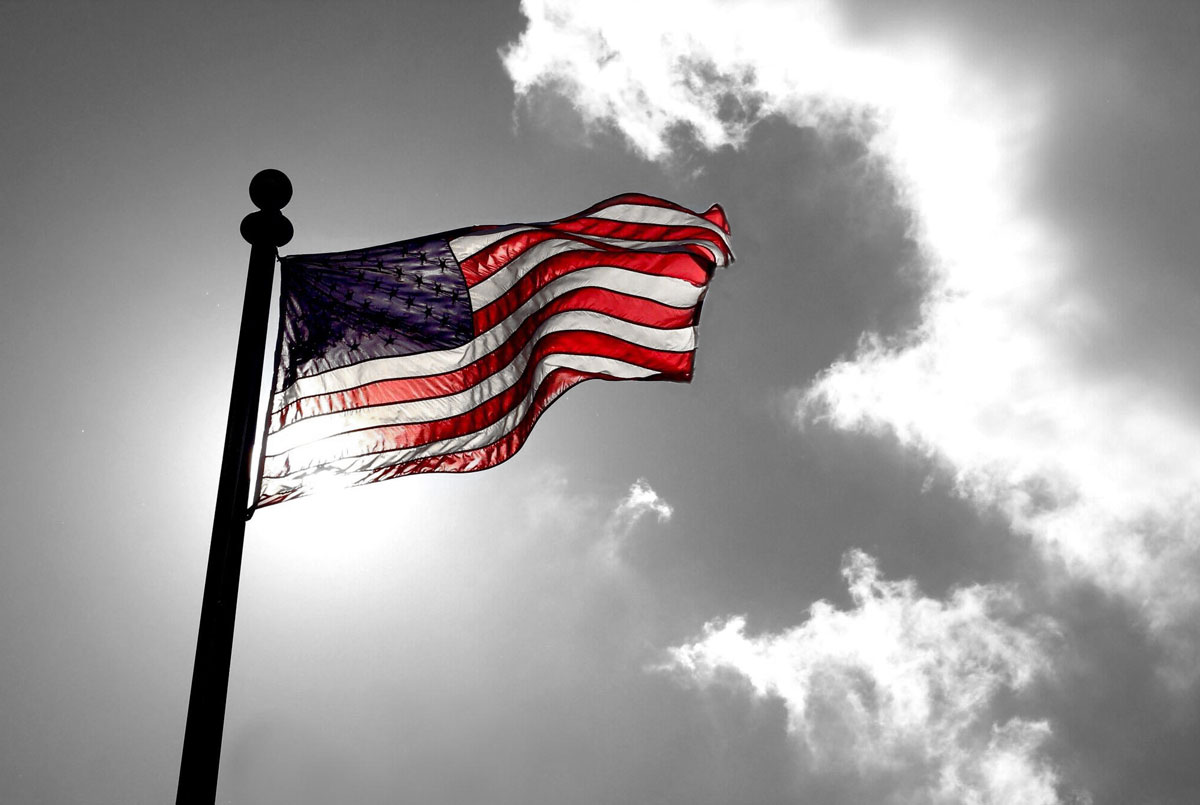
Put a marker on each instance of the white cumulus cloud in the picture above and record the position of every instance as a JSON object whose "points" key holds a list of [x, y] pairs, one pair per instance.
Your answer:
{"points": [[637, 503], [900, 690], [1101, 468]]}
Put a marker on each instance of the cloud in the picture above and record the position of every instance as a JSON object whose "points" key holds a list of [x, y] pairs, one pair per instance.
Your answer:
{"points": [[997, 383], [637, 503], [640, 501], [598, 532], [899, 693]]}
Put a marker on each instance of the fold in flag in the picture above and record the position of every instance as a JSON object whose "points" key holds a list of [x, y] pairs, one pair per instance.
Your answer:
{"points": [[438, 354]]}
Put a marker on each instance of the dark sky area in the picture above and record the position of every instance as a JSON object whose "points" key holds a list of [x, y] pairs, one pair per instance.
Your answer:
{"points": [[923, 529]]}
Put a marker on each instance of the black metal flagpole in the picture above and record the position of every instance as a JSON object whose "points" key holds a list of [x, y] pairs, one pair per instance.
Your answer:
{"points": [[266, 230]]}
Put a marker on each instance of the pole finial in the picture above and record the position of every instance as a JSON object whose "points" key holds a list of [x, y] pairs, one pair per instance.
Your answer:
{"points": [[270, 189]]}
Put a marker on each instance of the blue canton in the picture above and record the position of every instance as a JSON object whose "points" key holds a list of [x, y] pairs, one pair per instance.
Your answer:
{"points": [[343, 308]]}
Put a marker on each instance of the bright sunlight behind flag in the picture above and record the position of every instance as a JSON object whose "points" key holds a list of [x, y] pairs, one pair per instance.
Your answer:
{"points": [[438, 354]]}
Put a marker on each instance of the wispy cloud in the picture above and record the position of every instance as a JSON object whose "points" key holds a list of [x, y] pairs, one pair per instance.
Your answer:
{"points": [[900, 691], [641, 500], [588, 527], [1101, 468]]}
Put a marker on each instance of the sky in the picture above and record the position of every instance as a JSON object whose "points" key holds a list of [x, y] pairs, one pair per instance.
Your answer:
{"points": [[923, 529]]}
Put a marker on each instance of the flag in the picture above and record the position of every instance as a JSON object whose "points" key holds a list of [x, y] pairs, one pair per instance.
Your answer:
{"points": [[438, 354]]}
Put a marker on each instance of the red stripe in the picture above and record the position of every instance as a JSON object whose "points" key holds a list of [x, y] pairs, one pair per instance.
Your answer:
{"points": [[680, 266], [269, 500], [627, 308], [716, 215], [384, 438], [486, 262], [632, 230]]}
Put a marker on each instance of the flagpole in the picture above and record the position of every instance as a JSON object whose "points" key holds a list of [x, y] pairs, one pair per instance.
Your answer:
{"points": [[266, 230]]}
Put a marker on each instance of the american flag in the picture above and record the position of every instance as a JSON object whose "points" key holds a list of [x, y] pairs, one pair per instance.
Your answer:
{"points": [[438, 354]]}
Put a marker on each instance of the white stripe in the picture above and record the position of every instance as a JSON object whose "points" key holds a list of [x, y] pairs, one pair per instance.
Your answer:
{"points": [[669, 290], [470, 441], [499, 283], [663, 216], [467, 245], [444, 407]]}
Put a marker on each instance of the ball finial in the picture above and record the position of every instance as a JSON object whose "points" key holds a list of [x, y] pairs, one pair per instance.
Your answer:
{"points": [[267, 228], [270, 189]]}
